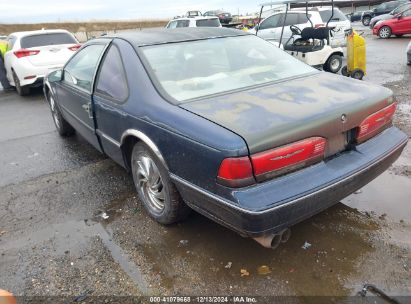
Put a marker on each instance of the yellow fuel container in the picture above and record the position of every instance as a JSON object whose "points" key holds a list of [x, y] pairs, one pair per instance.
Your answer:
{"points": [[356, 56]]}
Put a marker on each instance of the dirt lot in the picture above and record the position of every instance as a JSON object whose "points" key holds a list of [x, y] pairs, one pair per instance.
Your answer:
{"points": [[75, 27], [54, 240]]}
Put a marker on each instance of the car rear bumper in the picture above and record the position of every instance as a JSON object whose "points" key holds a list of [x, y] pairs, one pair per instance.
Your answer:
{"points": [[38, 73], [375, 30], [280, 203]]}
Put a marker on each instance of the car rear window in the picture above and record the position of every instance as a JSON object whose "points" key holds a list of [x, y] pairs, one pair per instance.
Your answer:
{"points": [[46, 39], [338, 15], [213, 22], [195, 69]]}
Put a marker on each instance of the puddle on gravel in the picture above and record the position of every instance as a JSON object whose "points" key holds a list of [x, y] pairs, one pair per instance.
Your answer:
{"points": [[112, 210], [188, 257], [388, 195]]}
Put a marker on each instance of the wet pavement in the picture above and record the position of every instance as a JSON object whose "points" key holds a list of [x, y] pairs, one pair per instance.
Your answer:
{"points": [[71, 225]]}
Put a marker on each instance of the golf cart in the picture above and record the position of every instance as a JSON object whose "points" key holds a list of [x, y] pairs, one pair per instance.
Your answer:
{"points": [[310, 44]]}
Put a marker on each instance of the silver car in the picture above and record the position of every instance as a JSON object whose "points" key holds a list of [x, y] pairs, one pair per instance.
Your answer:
{"points": [[390, 15]]}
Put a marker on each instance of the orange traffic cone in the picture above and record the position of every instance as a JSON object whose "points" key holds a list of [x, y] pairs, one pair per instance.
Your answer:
{"points": [[7, 297]]}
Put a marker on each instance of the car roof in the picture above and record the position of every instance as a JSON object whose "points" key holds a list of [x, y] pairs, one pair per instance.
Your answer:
{"points": [[29, 33], [195, 18], [163, 36]]}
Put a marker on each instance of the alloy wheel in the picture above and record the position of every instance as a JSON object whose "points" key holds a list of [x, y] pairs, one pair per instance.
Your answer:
{"points": [[385, 32], [150, 184]]}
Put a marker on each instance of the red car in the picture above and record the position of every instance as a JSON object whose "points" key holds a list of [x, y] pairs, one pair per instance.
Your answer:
{"points": [[398, 26]]}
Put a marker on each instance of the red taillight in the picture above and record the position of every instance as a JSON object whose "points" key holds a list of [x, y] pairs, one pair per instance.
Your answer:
{"points": [[24, 53], [288, 158], [236, 172], [240, 171], [74, 47], [375, 123]]}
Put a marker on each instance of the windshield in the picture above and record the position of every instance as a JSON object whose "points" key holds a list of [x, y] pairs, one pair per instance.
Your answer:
{"points": [[46, 39], [400, 9], [194, 69]]}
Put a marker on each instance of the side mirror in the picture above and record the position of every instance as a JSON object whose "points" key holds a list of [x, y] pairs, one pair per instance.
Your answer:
{"points": [[55, 76]]}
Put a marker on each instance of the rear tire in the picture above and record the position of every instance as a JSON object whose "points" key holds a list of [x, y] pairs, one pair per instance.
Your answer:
{"points": [[62, 126], [333, 64], [21, 90], [384, 32], [366, 20], [155, 189]]}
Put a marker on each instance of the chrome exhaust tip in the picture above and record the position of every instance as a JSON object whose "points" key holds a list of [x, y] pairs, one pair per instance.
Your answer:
{"points": [[274, 240]]}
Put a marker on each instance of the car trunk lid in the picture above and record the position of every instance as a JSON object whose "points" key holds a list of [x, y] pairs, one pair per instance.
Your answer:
{"points": [[51, 55], [269, 116]]}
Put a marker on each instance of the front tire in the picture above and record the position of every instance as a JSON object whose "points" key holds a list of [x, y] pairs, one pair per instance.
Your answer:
{"points": [[384, 32], [62, 126], [366, 20], [333, 64], [21, 90], [154, 187]]}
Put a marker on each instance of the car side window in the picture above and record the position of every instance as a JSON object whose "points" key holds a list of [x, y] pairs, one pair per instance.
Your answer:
{"points": [[391, 5], [270, 22], [172, 24], [291, 19], [112, 80], [80, 70], [183, 23], [407, 13], [302, 18]]}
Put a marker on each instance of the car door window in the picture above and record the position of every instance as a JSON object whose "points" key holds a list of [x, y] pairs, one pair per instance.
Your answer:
{"points": [[291, 20], [183, 23], [112, 80], [391, 5], [270, 22], [302, 18], [381, 8], [80, 70], [172, 24]]}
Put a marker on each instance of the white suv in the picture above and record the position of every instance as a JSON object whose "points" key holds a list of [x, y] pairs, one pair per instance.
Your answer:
{"points": [[32, 55], [270, 27], [201, 21]]}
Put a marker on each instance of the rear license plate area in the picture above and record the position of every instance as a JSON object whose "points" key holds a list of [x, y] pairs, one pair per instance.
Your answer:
{"points": [[336, 144]]}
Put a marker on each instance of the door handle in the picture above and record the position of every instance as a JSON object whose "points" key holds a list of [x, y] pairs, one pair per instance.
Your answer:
{"points": [[87, 108]]}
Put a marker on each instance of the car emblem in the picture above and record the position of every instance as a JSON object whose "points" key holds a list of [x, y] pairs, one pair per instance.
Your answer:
{"points": [[288, 155], [344, 118]]}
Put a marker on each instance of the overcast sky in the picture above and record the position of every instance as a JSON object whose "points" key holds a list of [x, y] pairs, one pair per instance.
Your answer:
{"points": [[28, 11]]}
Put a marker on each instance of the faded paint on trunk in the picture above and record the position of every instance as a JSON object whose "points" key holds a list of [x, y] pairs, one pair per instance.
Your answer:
{"points": [[287, 111]]}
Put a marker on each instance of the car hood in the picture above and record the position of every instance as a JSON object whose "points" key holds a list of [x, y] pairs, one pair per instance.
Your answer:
{"points": [[382, 17], [280, 113]]}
